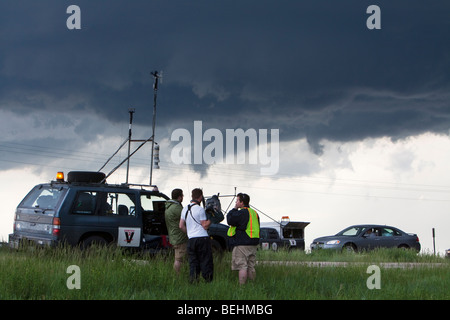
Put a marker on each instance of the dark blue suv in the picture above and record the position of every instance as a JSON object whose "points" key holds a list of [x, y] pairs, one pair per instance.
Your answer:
{"points": [[84, 210]]}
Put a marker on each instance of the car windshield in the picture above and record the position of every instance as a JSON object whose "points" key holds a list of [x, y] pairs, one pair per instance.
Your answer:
{"points": [[351, 231]]}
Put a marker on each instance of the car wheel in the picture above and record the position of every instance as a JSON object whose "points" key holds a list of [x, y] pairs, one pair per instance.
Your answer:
{"points": [[403, 246], [349, 247]]}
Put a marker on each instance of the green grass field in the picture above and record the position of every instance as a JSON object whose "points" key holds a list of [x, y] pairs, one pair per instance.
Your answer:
{"points": [[111, 274]]}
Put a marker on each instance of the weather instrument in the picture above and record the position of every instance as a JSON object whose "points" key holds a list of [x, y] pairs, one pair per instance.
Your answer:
{"points": [[154, 160]]}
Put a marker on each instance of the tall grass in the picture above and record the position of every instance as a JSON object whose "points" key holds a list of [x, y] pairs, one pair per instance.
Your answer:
{"points": [[378, 255], [113, 274]]}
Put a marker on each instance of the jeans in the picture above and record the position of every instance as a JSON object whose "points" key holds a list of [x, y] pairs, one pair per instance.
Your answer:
{"points": [[200, 259]]}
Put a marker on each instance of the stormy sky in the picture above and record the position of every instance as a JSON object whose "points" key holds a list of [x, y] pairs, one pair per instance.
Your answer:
{"points": [[309, 68]]}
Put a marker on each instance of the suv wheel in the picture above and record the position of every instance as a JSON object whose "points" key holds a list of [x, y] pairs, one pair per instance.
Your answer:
{"points": [[93, 240]]}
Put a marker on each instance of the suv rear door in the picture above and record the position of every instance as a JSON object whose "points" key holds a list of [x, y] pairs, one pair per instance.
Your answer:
{"points": [[79, 214], [104, 212]]}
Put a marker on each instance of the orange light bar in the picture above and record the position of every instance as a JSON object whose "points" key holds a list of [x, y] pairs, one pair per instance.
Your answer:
{"points": [[60, 176]]}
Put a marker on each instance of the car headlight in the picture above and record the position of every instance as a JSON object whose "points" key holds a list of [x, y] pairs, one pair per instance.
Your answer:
{"points": [[333, 242]]}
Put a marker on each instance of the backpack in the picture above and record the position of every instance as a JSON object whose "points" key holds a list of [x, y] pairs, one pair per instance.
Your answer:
{"points": [[213, 209]]}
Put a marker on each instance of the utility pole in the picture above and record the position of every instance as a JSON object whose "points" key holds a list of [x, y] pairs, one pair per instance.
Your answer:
{"points": [[434, 242], [156, 76]]}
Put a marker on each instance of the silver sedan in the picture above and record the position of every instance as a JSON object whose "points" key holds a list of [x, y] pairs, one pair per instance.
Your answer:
{"points": [[368, 237]]}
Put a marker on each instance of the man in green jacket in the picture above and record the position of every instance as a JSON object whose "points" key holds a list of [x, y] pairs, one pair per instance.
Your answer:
{"points": [[177, 237]]}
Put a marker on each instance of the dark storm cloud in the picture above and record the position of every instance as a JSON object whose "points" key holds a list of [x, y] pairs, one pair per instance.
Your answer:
{"points": [[310, 68]]}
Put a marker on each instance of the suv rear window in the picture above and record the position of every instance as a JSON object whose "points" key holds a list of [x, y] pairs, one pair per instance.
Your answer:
{"points": [[43, 197], [85, 203]]}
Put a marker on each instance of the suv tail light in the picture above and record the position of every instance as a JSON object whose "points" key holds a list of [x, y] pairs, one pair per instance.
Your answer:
{"points": [[16, 225], [56, 226]]}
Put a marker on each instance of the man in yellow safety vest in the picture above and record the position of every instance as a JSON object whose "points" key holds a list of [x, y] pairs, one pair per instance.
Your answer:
{"points": [[244, 237]]}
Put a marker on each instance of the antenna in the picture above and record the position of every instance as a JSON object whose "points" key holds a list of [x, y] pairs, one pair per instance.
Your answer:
{"points": [[131, 111], [156, 75]]}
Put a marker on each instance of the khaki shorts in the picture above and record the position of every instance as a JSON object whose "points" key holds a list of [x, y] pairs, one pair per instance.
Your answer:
{"points": [[243, 258], [180, 251]]}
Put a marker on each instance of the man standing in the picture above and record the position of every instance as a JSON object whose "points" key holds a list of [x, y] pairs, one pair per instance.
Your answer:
{"points": [[177, 237], [194, 222], [244, 233]]}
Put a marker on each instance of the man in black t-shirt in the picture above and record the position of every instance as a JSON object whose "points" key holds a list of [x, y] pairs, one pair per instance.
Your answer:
{"points": [[244, 233]]}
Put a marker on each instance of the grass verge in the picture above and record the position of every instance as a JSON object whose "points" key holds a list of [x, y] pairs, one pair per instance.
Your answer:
{"points": [[111, 274]]}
